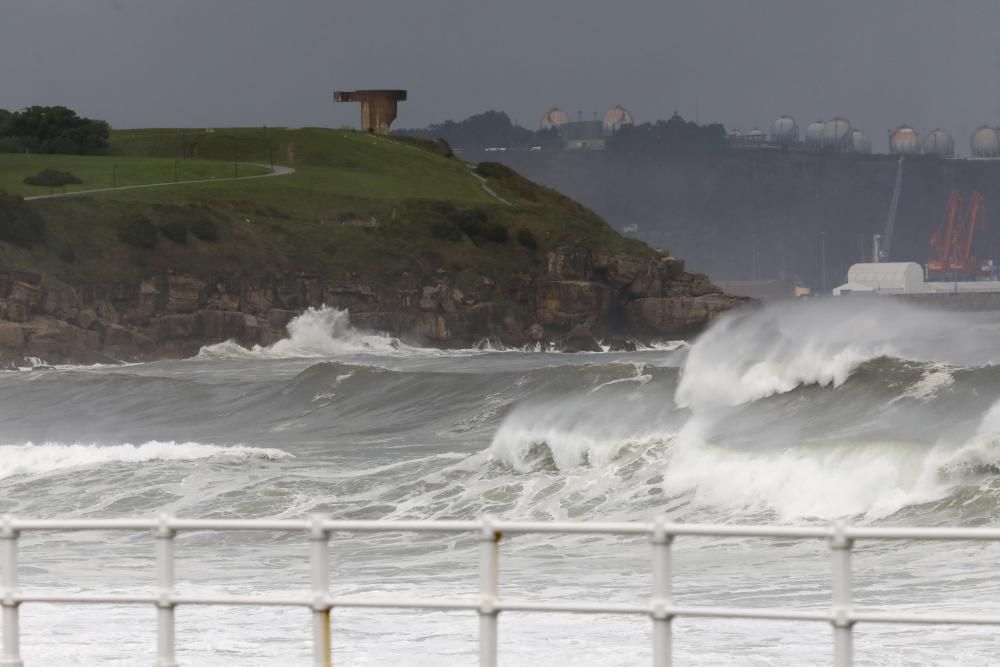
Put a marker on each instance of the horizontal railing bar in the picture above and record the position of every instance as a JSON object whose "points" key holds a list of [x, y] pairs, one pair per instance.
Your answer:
{"points": [[83, 524], [510, 527], [764, 614], [712, 530], [923, 619], [85, 598], [514, 605], [275, 525], [866, 533], [571, 607], [403, 603], [415, 526], [573, 527]]}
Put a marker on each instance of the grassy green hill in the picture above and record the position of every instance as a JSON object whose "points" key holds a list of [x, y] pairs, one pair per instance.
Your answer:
{"points": [[356, 203], [103, 172]]}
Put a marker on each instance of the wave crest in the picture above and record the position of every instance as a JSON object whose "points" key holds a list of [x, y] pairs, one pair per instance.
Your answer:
{"points": [[30, 458]]}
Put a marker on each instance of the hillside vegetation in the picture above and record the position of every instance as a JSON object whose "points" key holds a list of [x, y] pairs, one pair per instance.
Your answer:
{"points": [[356, 203]]}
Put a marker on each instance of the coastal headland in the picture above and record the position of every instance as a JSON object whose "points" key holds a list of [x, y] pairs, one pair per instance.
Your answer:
{"points": [[411, 240]]}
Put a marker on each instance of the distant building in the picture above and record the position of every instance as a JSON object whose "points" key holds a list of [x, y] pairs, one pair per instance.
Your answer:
{"points": [[583, 134], [378, 107], [887, 277]]}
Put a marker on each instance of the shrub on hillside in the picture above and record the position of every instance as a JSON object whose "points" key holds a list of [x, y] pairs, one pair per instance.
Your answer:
{"points": [[526, 238], [138, 232], [19, 224], [446, 231], [204, 230], [494, 170], [175, 231], [52, 178], [473, 222], [496, 233]]}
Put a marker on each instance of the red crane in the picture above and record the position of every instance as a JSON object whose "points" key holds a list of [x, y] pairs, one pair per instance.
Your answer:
{"points": [[952, 247], [944, 245]]}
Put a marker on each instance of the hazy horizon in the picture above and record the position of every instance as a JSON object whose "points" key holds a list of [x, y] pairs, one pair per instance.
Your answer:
{"points": [[140, 63]]}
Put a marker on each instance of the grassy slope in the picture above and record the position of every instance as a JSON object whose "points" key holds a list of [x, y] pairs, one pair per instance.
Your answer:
{"points": [[296, 223], [102, 172]]}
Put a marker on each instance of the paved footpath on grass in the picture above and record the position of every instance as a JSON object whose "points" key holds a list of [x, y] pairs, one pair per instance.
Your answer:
{"points": [[277, 170]]}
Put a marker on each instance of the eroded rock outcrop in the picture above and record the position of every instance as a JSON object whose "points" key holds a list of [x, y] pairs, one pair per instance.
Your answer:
{"points": [[579, 299]]}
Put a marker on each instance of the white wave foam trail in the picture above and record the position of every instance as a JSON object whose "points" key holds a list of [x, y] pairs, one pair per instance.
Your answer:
{"points": [[318, 332], [773, 350], [29, 458]]}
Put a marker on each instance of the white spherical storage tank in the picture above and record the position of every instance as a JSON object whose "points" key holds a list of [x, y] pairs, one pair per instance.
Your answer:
{"points": [[784, 131], [940, 143], [985, 142], [615, 118], [836, 134], [553, 118], [904, 140], [814, 133], [860, 143]]}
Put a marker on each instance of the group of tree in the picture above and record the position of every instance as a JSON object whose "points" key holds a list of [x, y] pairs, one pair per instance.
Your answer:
{"points": [[492, 129], [57, 129], [675, 137]]}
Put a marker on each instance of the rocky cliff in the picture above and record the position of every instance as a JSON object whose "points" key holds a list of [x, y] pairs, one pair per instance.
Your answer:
{"points": [[580, 296]]}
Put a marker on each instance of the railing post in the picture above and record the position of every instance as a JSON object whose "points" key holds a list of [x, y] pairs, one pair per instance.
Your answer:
{"points": [[165, 645], [662, 593], [843, 627], [319, 537], [11, 656], [489, 590]]}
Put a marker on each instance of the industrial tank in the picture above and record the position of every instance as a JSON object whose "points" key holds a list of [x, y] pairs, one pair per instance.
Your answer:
{"points": [[860, 143], [553, 118], [615, 118], [814, 133], [836, 134], [757, 134], [940, 143], [985, 142], [904, 140], [784, 131]]}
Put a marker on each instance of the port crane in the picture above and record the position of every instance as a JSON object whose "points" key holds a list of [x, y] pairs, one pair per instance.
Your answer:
{"points": [[952, 246], [883, 243]]}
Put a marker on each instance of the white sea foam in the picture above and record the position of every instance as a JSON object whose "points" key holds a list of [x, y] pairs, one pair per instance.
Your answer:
{"points": [[30, 458], [773, 350], [318, 332]]}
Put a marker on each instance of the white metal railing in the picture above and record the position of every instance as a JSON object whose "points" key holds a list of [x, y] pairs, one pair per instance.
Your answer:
{"points": [[660, 608]]}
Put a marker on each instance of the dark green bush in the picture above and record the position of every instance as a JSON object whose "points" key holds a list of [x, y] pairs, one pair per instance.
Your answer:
{"points": [[66, 253], [473, 223], [205, 230], [175, 231], [19, 224], [52, 178], [496, 233], [446, 231], [494, 170], [526, 238], [138, 232]]}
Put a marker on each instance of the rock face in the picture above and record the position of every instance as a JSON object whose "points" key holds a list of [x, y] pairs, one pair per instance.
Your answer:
{"points": [[578, 299]]}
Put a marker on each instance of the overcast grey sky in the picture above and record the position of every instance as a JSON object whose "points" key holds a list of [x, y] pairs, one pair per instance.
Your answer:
{"points": [[202, 63]]}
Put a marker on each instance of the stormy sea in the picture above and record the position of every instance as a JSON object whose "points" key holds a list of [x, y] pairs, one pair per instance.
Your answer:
{"points": [[864, 410]]}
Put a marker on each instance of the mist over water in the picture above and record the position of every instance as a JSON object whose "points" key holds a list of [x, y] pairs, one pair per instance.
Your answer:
{"points": [[799, 413]]}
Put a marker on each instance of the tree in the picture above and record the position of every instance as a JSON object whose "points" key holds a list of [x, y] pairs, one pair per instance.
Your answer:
{"points": [[670, 138], [54, 130]]}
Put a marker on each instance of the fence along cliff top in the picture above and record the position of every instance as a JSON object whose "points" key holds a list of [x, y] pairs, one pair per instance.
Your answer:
{"points": [[378, 107]]}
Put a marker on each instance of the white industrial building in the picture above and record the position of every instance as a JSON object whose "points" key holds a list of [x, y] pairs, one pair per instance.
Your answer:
{"points": [[887, 277], [904, 278]]}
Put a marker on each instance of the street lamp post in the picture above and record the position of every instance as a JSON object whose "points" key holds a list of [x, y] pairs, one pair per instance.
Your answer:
{"points": [[822, 253]]}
